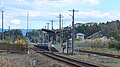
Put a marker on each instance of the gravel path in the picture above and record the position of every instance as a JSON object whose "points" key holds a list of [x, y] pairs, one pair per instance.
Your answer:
{"points": [[32, 59]]}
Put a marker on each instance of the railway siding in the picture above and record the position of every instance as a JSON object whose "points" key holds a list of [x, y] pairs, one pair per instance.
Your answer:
{"points": [[67, 60], [101, 54]]}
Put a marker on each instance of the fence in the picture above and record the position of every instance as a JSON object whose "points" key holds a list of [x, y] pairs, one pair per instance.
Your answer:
{"points": [[13, 48]]}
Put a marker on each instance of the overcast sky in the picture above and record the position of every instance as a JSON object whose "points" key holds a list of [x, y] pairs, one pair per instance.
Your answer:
{"points": [[42, 11]]}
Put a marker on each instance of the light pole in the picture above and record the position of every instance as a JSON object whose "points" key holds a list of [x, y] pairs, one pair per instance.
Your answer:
{"points": [[9, 32], [45, 27], [48, 33], [2, 25], [52, 24], [62, 29], [48, 25], [2, 37], [73, 29], [13, 36], [27, 32], [52, 39], [60, 19]]}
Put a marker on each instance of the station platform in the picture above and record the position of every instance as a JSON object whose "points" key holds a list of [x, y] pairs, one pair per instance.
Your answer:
{"points": [[59, 48]]}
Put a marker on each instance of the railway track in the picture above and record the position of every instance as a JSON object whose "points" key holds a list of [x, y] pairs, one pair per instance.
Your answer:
{"points": [[101, 54], [70, 61], [67, 60]]}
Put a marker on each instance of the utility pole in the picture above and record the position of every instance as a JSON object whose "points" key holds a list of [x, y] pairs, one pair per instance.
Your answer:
{"points": [[2, 26], [27, 24], [48, 33], [48, 25], [9, 32], [52, 24], [53, 33], [62, 23], [73, 29], [27, 31], [60, 19], [27, 21], [45, 27], [13, 36], [62, 28]]}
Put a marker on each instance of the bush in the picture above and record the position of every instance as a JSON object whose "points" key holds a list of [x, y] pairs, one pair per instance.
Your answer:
{"points": [[117, 46], [112, 43], [96, 43], [4, 42], [77, 39]]}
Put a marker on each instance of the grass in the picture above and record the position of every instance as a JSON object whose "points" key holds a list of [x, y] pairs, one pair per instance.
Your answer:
{"points": [[3, 53], [104, 50], [27, 66], [112, 62]]}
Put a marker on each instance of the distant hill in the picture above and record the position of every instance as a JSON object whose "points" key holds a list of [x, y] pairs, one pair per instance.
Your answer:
{"points": [[3, 30], [23, 31]]}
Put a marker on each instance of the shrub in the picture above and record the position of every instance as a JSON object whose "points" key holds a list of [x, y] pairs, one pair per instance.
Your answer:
{"points": [[112, 43], [4, 42], [96, 43], [117, 46]]}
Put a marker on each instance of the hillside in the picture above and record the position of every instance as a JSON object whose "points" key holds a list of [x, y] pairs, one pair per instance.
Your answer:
{"points": [[23, 31]]}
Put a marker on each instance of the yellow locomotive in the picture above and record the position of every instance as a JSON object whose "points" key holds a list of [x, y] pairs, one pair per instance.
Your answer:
{"points": [[20, 42]]}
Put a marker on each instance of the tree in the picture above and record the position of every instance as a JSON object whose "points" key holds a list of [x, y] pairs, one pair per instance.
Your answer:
{"points": [[111, 29], [87, 30], [36, 36], [12, 33]]}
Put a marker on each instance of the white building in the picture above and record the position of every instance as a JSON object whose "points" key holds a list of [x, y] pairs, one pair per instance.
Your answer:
{"points": [[80, 36], [104, 38], [78, 24]]}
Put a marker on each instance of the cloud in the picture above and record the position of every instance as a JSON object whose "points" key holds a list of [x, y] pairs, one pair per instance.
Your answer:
{"points": [[21, 0], [76, 1], [38, 8], [94, 2], [15, 21], [45, 10], [96, 15]]}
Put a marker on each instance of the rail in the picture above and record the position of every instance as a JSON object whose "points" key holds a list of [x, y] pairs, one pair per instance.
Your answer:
{"points": [[101, 54]]}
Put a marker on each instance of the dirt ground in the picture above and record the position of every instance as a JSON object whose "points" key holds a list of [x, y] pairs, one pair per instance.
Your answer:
{"points": [[32, 59]]}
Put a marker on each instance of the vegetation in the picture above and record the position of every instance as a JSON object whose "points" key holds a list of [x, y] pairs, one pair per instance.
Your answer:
{"points": [[11, 35], [36, 36], [5, 42], [99, 45], [88, 30], [110, 29]]}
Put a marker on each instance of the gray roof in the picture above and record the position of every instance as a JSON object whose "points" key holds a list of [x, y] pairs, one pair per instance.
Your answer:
{"points": [[94, 34], [80, 34]]}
